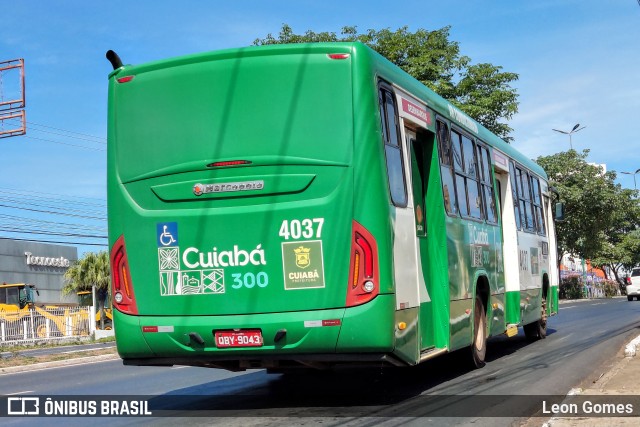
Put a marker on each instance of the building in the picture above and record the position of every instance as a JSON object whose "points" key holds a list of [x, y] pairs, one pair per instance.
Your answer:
{"points": [[573, 266], [40, 264]]}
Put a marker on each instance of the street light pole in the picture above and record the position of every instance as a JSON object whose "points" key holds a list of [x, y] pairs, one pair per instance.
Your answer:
{"points": [[572, 131], [635, 187]]}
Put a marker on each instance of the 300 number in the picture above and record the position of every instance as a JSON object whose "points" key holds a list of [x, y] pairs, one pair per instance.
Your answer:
{"points": [[296, 229], [249, 280]]}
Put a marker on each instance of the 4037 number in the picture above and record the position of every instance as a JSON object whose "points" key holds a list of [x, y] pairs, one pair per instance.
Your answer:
{"points": [[301, 229]]}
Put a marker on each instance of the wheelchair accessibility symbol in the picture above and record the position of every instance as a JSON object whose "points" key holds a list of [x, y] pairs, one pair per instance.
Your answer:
{"points": [[167, 233]]}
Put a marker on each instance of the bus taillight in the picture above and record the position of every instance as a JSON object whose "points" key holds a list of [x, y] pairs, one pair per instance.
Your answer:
{"points": [[363, 274], [123, 296], [228, 163]]}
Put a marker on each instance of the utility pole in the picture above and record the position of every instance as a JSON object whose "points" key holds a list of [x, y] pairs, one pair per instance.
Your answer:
{"points": [[12, 99], [635, 187], [575, 129]]}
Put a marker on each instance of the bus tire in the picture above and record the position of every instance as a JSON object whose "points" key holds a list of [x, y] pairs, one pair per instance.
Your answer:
{"points": [[479, 343], [538, 329]]}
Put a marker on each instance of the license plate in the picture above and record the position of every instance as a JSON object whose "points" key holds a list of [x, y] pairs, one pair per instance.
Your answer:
{"points": [[245, 338]]}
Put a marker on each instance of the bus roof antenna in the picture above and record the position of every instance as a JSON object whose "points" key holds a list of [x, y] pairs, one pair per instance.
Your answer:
{"points": [[114, 59]]}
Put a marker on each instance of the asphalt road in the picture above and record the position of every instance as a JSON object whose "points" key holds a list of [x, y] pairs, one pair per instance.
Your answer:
{"points": [[582, 340]]}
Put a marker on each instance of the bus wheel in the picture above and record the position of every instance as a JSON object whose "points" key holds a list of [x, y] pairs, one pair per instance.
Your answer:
{"points": [[538, 329], [479, 344]]}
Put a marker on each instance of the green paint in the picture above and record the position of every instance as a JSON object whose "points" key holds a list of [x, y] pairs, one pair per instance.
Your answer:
{"points": [[552, 298], [275, 253], [513, 307], [434, 315], [369, 327]]}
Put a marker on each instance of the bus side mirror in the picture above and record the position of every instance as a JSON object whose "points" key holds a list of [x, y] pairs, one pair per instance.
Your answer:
{"points": [[559, 214]]}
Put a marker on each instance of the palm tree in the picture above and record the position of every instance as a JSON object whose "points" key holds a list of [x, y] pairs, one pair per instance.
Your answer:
{"points": [[89, 271]]}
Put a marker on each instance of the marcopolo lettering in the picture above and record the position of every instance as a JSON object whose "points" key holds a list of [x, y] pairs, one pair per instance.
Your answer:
{"points": [[200, 189], [60, 262], [464, 120]]}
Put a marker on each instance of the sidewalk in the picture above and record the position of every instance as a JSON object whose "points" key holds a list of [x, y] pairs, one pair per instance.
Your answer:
{"points": [[623, 379]]}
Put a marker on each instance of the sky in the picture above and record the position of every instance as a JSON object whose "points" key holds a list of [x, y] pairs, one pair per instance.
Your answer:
{"points": [[577, 62]]}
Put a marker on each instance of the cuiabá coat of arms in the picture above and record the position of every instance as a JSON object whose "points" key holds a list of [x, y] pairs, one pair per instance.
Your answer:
{"points": [[303, 257]]}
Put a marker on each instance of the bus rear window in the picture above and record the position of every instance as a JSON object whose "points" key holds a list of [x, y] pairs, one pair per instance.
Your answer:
{"points": [[294, 106]]}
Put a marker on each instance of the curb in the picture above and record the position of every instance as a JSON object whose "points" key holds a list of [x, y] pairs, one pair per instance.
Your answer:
{"points": [[631, 348], [630, 351], [552, 420], [59, 363]]}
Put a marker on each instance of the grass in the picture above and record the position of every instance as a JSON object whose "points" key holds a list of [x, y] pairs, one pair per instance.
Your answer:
{"points": [[38, 345], [20, 360], [16, 358]]}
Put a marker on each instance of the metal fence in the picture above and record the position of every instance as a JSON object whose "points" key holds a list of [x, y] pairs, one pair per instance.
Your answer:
{"points": [[44, 323]]}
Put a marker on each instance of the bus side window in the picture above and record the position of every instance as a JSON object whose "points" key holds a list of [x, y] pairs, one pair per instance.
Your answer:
{"points": [[466, 172], [461, 190], [392, 149], [446, 165], [522, 199], [514, 192], [486, 180], [471, 170], [525, 202], [537, 206]]}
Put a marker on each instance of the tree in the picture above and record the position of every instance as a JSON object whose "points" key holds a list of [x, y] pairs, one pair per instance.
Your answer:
{"points": [[631, 243], [621, 239], [603, 219], [89, 271], [622, 252], [482, 91], [590, 197]]}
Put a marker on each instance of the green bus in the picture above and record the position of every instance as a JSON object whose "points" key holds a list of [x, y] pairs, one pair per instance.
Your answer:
{"points": [[314, 206]]}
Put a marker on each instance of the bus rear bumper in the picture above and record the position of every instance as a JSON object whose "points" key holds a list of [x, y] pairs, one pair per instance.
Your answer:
{"points": [[319, 338]]}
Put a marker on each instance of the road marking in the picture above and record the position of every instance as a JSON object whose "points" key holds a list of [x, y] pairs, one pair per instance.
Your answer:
{"points": [[19, 392], [576, 306], [180, 367]]}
